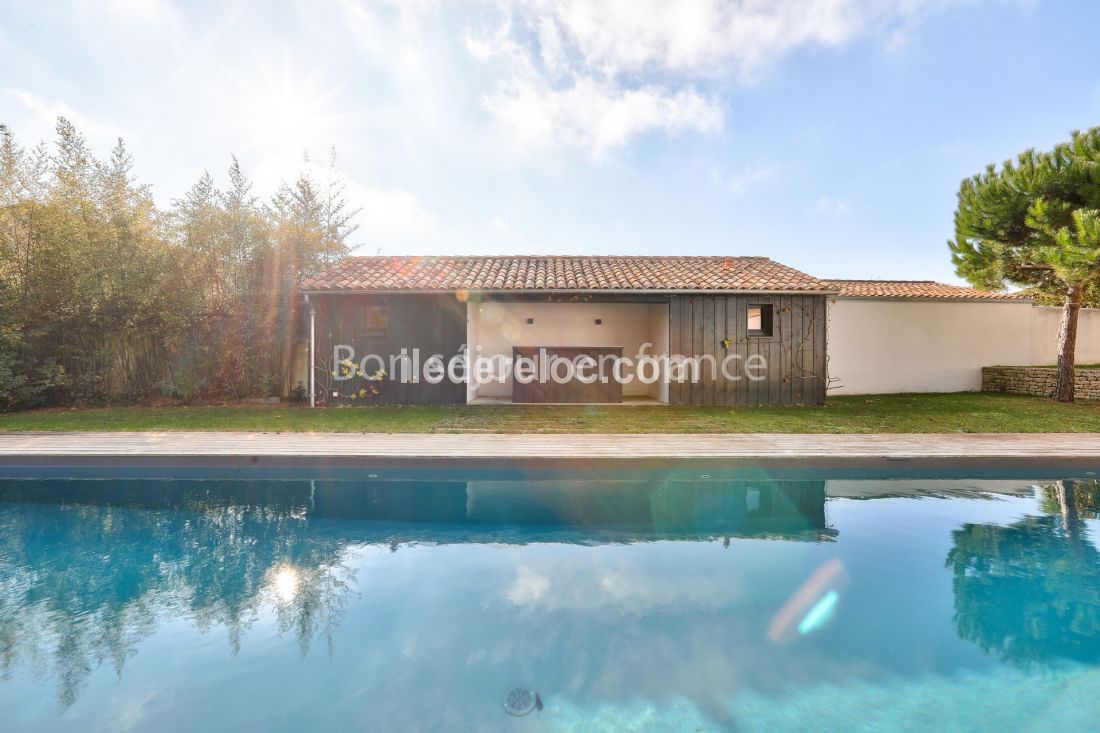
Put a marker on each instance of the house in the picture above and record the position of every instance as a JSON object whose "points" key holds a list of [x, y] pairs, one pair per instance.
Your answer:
{"points": [[676, 330], [734, 331]]}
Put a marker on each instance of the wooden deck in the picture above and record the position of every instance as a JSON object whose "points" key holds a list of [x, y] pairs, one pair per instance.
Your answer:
{"points": [[38, 448]]}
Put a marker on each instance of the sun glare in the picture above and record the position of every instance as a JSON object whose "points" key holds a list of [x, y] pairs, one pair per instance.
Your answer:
{"points": [[282, 114], [285, 582]]}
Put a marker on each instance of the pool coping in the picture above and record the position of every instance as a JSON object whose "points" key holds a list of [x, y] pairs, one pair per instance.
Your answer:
{"points": [[549, 449]]}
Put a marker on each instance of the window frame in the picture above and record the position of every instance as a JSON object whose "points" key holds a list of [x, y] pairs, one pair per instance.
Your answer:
{"points": [[767, 320], [376, 330]]}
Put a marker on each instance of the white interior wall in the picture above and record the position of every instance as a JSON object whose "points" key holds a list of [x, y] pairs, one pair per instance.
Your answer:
{"points": [[473, 318], [884, 346], [497, 327], [658, 334]]}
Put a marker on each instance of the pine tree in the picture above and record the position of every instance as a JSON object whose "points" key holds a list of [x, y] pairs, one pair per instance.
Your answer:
{"points": [[1035, 222]]}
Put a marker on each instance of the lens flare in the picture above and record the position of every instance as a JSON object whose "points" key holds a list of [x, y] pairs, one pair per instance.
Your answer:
{"points": [[811, 606], [820, 614]]}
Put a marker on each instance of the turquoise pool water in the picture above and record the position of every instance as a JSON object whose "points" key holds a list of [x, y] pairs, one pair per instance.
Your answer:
{"points": [[687, 601]]}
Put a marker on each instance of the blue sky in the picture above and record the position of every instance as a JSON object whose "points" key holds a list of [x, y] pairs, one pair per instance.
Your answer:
{"points": [[828, 134]]}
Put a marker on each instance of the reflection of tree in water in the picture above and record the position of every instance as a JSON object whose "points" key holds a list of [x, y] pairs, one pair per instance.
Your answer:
{"points": [[1071, 499], [81, 584], [88, 569], [1030, 591]]}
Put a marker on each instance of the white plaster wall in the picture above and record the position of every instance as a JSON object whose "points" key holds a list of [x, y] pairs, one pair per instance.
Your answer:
{"points": [[883, 346], [1044, 335], [497, 327], [880, 346]]}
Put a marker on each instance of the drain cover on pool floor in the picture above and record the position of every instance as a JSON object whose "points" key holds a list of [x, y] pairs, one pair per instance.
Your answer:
{"points": [[520, 701]]}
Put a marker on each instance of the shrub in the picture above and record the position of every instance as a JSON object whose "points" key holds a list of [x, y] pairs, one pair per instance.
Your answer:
{"points": [[299, 393], [23, 383]]}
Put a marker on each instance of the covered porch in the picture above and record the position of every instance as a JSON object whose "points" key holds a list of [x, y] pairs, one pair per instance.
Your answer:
{"points": [[601, 327]]}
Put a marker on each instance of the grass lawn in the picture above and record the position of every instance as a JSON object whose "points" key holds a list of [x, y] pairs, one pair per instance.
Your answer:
{"points": [[908, 413]]}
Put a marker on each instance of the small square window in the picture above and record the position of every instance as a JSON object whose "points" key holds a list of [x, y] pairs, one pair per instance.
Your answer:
{"points": [[759, 320], [378, 320]]}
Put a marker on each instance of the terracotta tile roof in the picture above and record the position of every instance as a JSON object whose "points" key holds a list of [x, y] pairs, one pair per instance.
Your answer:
{"points": [[915, 289], [562, 273]]}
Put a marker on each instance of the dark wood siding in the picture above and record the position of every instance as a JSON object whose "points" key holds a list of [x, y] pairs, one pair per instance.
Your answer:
{"points": [[795, 352], [434, 324]]}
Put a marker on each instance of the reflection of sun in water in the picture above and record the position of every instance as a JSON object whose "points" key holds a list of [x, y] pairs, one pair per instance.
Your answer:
{"points": [[285, 582]]}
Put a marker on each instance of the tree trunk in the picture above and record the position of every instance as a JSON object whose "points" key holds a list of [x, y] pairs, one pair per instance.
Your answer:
{"points": [[1067, 504], [1067, 342]]}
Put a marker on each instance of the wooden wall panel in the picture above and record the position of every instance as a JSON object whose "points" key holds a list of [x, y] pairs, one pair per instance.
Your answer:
{"points": [[795, 352], [675, 318], [434, 324]]}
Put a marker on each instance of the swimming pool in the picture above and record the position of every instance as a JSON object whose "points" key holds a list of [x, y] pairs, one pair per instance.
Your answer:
{"points": [[679, 600]]}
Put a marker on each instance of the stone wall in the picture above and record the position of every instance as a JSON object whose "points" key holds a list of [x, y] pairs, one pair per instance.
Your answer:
{"points": [[1038, 381]]}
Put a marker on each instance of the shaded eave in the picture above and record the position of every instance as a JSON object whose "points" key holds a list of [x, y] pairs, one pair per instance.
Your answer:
{"points": [[565, 291], [930, 299]]}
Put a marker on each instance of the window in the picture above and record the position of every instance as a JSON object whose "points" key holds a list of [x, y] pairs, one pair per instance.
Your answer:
{"points": [[760, 320], [378, 320]]}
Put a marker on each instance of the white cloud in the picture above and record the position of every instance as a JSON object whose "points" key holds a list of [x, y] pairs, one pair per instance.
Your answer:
{"points": [[596, 74], [552, 47], [546, 99], [613, 586], [699, 37], [599, 115], [528, 587]]}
